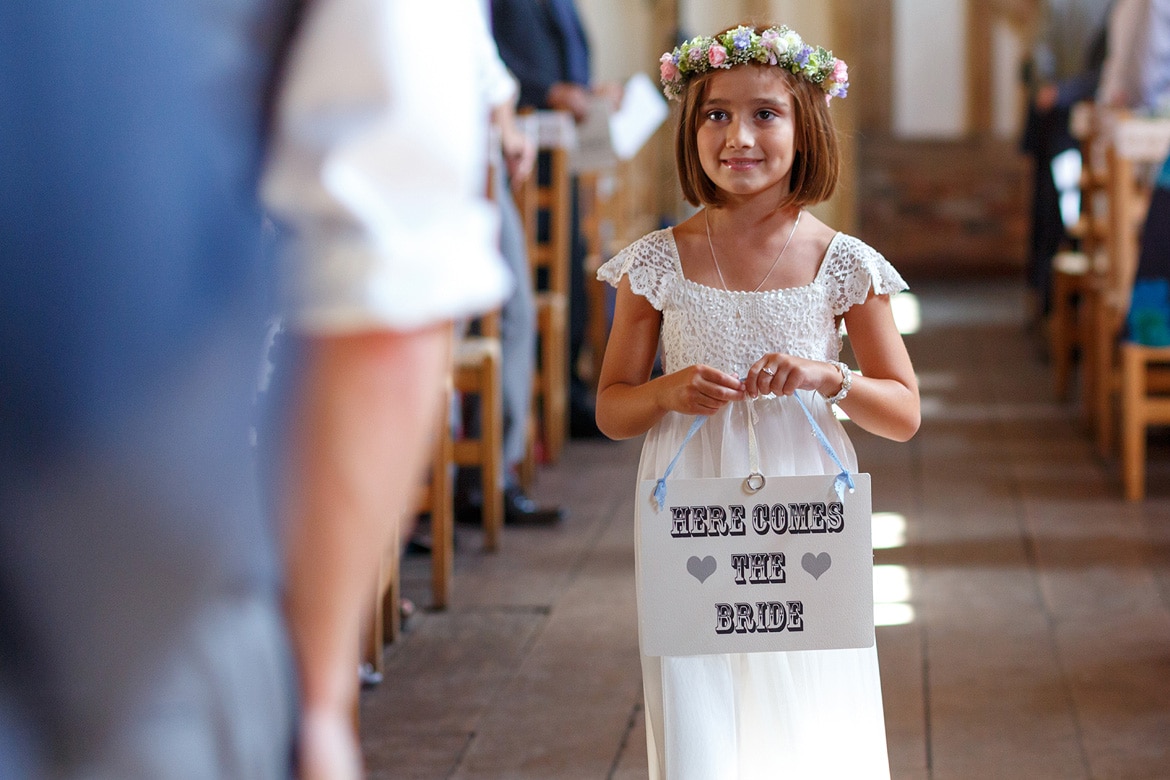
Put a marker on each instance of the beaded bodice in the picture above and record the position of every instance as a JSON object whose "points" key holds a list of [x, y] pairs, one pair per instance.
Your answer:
{"points": [[731, 330]]}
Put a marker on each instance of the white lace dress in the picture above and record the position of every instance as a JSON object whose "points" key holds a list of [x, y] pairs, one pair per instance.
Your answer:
{"points": [[757, 716]]}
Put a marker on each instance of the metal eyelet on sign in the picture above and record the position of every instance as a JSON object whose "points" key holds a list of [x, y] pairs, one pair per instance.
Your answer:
{"points": [[754, 482]]}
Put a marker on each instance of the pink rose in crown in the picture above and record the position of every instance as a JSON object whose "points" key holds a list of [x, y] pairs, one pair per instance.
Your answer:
{"points": [[716, 55], [667, 68], [840, 71]]}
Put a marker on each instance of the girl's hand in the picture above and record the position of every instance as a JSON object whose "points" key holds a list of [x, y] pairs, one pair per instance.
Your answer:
{"points": [[782, 374], [698, 390]]}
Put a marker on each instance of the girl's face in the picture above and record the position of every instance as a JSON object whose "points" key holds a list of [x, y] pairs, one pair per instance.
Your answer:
{"points": [[746, 131]]}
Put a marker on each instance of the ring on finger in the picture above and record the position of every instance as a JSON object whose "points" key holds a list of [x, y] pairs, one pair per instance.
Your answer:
{"points": [[768, 371]]}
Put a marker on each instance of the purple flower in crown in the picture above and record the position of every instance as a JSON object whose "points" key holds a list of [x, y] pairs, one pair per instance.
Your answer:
{"points": [[696, 55], [742, 38], [802, 56]]}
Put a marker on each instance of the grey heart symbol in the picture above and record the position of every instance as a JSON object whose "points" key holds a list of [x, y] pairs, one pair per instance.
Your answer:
{"points": [[816, 565], [701, 569]]}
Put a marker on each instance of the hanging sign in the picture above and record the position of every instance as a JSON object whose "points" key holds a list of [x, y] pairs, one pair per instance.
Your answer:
{"points": [[758, 565]]}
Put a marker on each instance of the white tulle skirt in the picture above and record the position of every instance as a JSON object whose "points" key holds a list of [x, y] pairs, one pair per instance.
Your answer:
{"points": [[760, 716]]}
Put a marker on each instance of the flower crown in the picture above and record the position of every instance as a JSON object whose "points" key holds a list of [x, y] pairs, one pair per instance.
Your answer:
{"points": [[774, 46]]}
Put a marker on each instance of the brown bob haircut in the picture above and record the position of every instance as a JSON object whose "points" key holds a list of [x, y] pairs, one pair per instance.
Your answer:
{"points": [[817, 161]]}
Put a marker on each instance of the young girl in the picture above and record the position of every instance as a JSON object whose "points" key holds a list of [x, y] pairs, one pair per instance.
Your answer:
{"points": [[746, 298]]}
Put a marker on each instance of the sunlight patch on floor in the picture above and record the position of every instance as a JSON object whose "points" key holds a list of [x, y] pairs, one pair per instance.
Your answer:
{"points": [[892, 591], [891, 596]]}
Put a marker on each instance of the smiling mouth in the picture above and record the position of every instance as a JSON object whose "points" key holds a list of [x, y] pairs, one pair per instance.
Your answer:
{"points": [[740, 163]]}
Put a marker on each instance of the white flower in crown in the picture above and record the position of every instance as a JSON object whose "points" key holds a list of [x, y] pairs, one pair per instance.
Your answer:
{"points": [[773, 44], [791, 38]]}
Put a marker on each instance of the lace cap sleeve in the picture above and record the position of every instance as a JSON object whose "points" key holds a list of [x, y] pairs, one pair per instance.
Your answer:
{"points": [[649, 262], [855, 268]]}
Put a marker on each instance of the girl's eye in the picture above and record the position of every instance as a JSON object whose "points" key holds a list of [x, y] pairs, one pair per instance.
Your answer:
{"points": [[716, 116], [766, 114]]}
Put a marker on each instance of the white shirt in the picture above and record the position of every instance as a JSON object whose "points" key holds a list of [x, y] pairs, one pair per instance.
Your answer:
{"points": [[379, 162], [1136, 73]]}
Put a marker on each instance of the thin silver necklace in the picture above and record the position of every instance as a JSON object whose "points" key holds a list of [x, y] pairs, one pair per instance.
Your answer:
{"points": [[711, 246]]}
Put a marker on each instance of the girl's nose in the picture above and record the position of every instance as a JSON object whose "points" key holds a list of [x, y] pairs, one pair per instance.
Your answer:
{"points": [[738, 134]]}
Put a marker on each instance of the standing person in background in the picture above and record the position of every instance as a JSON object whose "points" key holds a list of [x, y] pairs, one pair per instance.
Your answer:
{"points": [[517, 333], [517, 315], [1154, 261], [1136, 73], [545, 46], [517, 336], [1137, 78], [140, 620], [1063, 70], [378, 173]]}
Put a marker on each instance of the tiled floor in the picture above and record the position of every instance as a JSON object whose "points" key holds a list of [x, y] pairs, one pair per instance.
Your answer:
{"points": [[1032, 603]]}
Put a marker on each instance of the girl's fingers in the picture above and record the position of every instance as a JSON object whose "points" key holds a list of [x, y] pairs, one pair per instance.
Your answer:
{"points": [[716, 377], [711, 396], [768, 383], [761, 378], [766, 375], [704, 390]]}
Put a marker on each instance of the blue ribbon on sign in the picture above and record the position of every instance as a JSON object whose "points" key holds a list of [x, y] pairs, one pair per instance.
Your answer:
{"points": [[843, 481], [660, 488]]}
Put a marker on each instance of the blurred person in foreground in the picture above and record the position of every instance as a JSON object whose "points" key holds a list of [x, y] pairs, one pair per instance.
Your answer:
{"points": [[140, 624], [142, 594], [378, 174]]}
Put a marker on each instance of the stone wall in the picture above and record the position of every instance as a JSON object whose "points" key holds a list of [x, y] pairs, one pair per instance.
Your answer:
{"points": [[943, 208]]}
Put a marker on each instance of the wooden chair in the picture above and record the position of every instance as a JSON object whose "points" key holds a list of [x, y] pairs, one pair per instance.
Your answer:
{"points": [[1072, 274], [477, 373], [1075, 272], [1121, 371], [618, 206], [596, 191], [545, 209], [1145, 370], [1145, 402], [436, 499], [476, 369], [1128, 147]]}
